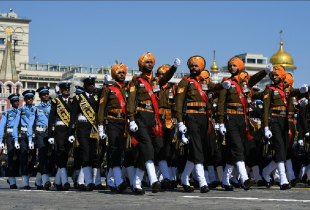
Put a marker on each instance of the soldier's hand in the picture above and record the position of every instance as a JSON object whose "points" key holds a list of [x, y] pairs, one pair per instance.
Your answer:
{"points": [[184, 139], [182, 127], [71, 139], [303, 88], [301, 143], [269, 68], [1, 145], [304, 102], [30, 145], [268, 133], [51, 140], [102, 134], [16, 145], [222, 129], [133, 126], [226, 84], [307, 135], [176, 63]]}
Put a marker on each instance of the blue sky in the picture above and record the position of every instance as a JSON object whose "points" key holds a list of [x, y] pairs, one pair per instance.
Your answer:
{"points": [[97, 33]]}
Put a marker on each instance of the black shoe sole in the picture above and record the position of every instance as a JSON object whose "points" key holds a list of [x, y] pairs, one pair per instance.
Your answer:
{"points": [[66, 187], [204, 189], [47, 185]]}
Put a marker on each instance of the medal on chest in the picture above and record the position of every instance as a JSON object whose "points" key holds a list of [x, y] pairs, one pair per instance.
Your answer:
{"points": [[205, 86], [170, 94], [156, 88]]}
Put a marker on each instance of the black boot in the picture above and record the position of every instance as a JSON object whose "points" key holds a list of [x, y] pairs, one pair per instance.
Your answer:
{"points": [[204, 189], [47, 185], [13, 186], [139, 191], [260, 183], [165, 184], [236, 185], [228, 187], [122, 187], [99, 187], [27, 187], [295, 181], [66, 187], [90, 187], [156, 186], [188, 188], [82, 187], [59, 187], [247, 184], [285, 186], [213, 185], [267, 184], [113, 189]]}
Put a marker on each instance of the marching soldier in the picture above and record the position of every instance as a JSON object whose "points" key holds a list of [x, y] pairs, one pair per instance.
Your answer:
{"points": [[40, 120], [143, 114], [192, 107], [25, 139], [275, 115], [59, 120], [83, 120], [6, 128], [233, 102], [113, 107]]}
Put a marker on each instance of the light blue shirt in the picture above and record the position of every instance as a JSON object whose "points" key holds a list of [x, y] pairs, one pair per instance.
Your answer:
{"points": [[23, 119], [7, 121]]}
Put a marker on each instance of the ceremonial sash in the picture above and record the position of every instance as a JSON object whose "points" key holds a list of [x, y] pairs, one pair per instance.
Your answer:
{"points": [[90, 114], [287, 104], [204, 97], [244, 103], [62, 112], [156, 129]]}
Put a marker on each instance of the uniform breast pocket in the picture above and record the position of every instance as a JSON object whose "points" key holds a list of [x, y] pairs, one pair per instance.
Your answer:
{"points": [[10, 118], [233, 91]]}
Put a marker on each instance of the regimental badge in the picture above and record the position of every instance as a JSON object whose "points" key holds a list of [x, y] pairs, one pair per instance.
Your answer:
{"points": [[101, 100], [181, 90], [260, 106], [46, 113], [96, 97], [266, 96], [132, 88], [193, 92], [10, 114], [23, 112]]}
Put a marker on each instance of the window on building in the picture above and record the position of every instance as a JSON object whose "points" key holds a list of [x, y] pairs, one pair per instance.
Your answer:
{"points": [[2, 108], [0, 88], [250, 60], [2, 41], [18, 89], [8, 89], [29, 86], [259, 61]]}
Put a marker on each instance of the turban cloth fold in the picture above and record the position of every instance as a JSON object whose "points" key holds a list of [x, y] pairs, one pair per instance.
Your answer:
{"points": [[117, 68], [163, 68], [200, 61], [205, 75], [280, 71], [238, 62], [289, 79], [144, 58]]}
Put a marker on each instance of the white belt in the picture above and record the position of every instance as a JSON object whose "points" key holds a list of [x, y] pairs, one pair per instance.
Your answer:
{"points": [[217, 126], [40, 129], [23, 128], [82, 118], [9, 130], [60, 123]]}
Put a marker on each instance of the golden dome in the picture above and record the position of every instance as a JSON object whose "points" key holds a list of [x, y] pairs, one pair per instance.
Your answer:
{"points": [[282, 57], [214, 67]]}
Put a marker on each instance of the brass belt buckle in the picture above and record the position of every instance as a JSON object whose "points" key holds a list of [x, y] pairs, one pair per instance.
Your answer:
{"points": [[119, 115], [201, 108]]}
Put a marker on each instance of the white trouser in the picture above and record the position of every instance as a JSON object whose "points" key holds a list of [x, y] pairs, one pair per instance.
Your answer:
{"points": [[138, 178], [186, 173], [150, 168], [227, 173]]}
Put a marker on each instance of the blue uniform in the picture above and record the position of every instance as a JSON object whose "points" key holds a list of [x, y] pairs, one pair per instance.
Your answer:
{"points": [[40, 120], [22, 121], [6, 125]]}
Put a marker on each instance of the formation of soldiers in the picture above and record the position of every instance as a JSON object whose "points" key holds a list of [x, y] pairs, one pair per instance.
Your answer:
{"points": [[154, 131]]}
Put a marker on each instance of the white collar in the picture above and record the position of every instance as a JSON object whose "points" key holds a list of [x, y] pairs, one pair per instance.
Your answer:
{"points": [[89, 94], [65, 99]]}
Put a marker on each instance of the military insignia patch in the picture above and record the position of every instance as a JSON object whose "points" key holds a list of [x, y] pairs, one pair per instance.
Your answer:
{"points": [[132, 89], [23, 112], [40, 110], [181, 90], [46, 113], [266, 96], [3, 113], [10, 114]]}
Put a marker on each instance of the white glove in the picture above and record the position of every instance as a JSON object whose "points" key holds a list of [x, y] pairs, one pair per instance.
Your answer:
{"points": [[307, 134], [30, 145], [222, 129], [184, 139], [106, 79], [71, 139], [51, 140], [268, 133], [1, 145], [226, 84], [303, 89], [133, 126], [301, 142], [176, 63], [182, 127], [16, 145], [269, 68], [304, 102], [102, 134]]}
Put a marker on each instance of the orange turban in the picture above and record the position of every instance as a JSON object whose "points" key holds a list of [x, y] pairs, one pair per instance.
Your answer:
{"points": [[118, 67], [280, 71], [163, 68], [144, 58], [205, 75], [197, 59], [289, 79], [243, 75], [238, 62]]}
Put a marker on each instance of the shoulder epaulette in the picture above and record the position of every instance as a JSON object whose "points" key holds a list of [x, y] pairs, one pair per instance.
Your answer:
{"points": [[267, 86], [77, 97], [184, 78], [54, 101]]}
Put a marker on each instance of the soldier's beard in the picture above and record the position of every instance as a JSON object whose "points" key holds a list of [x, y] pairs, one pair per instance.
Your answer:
{"points": [[195, 73]]}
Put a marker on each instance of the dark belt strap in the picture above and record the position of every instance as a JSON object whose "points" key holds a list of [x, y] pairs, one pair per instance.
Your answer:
{"points": [[237, 108], [197, 108], [118, 115], [145, 106]]}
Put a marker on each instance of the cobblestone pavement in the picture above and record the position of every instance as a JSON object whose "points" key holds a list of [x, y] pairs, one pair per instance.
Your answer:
{"points": [[256, 198]]}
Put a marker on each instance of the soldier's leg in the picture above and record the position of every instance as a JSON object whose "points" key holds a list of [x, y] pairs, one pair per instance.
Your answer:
{"points": [[43, 145], [11, 162], [23, 141], [97, 161]]}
